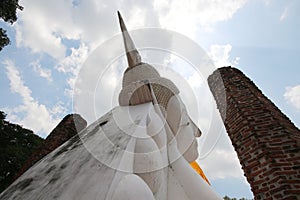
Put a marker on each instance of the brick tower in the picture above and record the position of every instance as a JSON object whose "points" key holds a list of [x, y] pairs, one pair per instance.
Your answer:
{"points": [[266, 141]]}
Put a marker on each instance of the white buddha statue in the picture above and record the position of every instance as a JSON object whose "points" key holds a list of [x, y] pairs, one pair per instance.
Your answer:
{"points": [[166, 144]]}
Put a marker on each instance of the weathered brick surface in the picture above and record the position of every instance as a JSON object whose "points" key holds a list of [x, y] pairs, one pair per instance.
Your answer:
{"points": [[266, 141]]}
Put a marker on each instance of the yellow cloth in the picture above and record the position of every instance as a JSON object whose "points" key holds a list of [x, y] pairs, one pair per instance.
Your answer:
{"points": [[198, 169]]}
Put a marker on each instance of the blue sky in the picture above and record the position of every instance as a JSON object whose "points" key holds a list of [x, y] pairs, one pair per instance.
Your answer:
{"points": [[51, 40]]}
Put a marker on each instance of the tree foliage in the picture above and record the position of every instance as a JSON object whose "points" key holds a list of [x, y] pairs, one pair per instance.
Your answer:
{"points": [[2, 116], [8, 12], [16, 146]]}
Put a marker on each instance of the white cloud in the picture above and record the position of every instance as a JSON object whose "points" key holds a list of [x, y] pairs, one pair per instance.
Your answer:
{"points": [[36, 116], [59, 22], [220, 54], [186, 16], [222, 162], [229, 162], [44, 26], [58, 109], [292, 95], [267, 2], [72, 64], [16, 83], [42, 72], [284, 14]]}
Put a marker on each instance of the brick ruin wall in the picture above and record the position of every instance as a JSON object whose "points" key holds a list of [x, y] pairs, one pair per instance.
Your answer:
{"points": [[266, 141]]}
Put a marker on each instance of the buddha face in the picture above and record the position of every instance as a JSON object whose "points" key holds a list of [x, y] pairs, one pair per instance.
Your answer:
{"points": [[183, 128]]}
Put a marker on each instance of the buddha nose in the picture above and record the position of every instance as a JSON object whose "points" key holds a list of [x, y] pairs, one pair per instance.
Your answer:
{"points": [[197, 130], [197, 133]]}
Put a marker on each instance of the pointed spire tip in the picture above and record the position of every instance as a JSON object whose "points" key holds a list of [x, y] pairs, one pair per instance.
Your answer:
{"points": [[121, 21], [132, 54], [119, 15]]}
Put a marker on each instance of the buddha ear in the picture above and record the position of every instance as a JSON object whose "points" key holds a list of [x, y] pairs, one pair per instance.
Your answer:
{"points": [[174, 112], [156, 128]]}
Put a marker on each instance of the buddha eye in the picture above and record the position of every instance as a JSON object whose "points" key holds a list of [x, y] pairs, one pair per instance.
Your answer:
{"points": [[185, 124]]}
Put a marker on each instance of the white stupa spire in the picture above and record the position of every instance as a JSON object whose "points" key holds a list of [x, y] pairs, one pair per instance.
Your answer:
{"points": [[133, 56], [134, 88]]}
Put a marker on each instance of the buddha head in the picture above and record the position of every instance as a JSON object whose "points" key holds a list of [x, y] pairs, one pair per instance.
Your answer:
{"points": [[142, 84]]}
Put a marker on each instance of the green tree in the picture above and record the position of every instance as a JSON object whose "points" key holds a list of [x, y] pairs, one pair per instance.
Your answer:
{"points": [[2, 115], [8, 12], [16, 145]]}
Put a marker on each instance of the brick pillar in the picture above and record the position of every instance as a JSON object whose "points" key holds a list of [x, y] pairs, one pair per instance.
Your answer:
{"points": [[266, 141]]}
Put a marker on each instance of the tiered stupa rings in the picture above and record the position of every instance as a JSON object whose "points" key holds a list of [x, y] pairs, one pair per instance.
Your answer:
{"points": [[136, 83]]}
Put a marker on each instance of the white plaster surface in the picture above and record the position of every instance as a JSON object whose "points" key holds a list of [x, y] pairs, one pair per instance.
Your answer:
{"points": [[134, 155]]}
